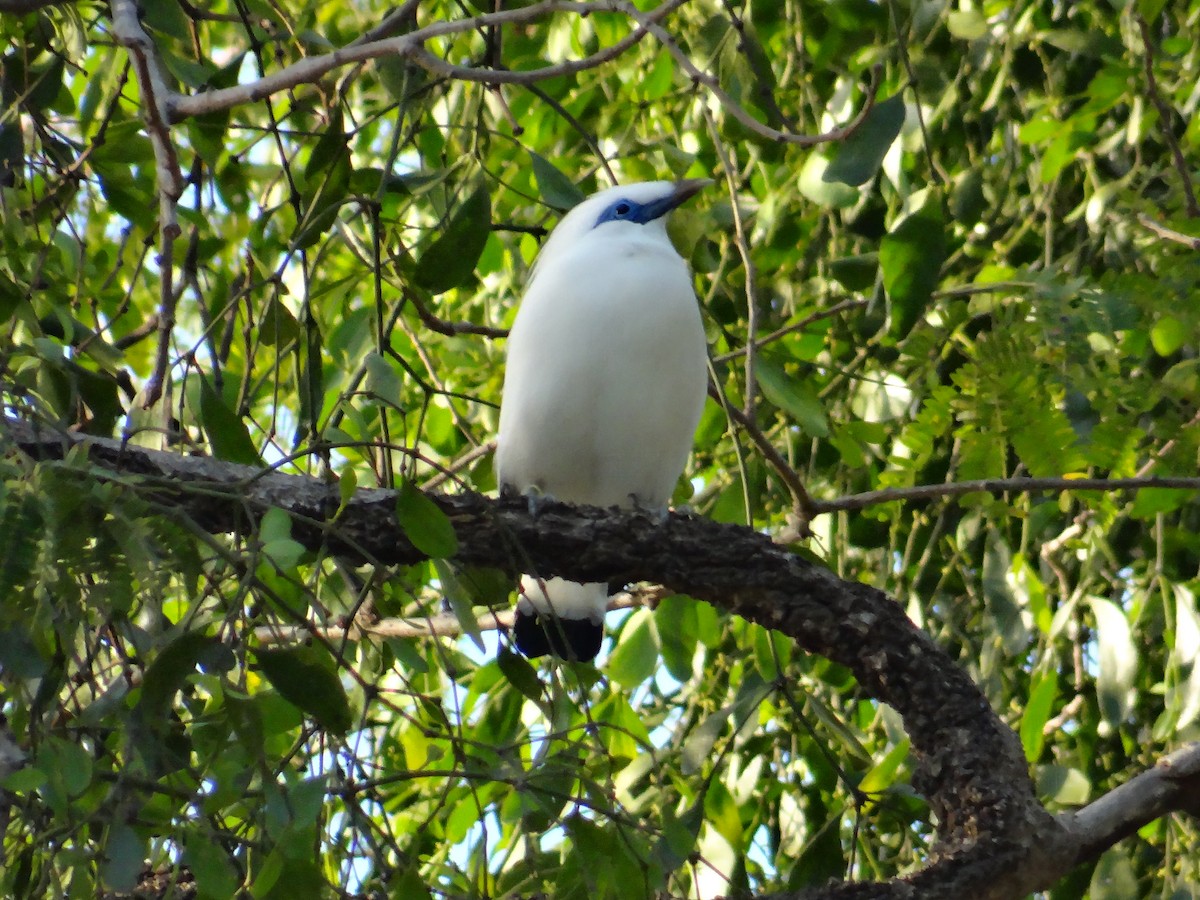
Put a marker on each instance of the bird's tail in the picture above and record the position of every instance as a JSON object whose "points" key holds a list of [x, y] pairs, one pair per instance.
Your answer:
{"points": [[560, 617]]}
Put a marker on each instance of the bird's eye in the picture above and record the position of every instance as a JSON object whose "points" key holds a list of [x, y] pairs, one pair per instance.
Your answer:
{"points": [[622, 209]]}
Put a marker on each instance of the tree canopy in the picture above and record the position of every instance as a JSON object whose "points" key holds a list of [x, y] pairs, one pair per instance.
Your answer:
{"points": [[949, 276]]}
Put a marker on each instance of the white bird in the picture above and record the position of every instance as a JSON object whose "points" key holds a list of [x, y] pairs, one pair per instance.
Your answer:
{"points": [[605, 383]]}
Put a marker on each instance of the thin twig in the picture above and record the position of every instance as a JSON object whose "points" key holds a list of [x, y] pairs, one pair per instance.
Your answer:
{"points": [[450, 329], [731, 106], [1165, 115], [156, 100], [441, 625], [411, 46], [1166, 448], [795, 326], [742, 242], [804, 503], [1169, 234], [1001, 486]]}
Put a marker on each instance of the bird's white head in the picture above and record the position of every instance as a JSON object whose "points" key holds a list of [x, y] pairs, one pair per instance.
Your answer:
{"points": [[642, 206]]}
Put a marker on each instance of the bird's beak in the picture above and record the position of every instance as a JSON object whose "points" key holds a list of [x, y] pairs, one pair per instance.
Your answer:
{"points": [[685, 190]]}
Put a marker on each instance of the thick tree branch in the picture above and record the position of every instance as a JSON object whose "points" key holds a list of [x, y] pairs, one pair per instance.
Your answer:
{"points": [[995, 841], [1172, 784]]}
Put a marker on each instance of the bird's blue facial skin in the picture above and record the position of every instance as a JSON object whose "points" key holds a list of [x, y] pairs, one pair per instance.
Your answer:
{"points": [[623, 210]]}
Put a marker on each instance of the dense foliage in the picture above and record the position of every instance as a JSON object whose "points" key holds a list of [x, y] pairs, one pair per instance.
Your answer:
{"points": [[1005, 289]]}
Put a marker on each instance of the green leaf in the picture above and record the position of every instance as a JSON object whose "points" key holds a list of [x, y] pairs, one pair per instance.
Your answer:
{"points": [[210, 866], [820, 190], [883, 774], [1116, 661], [424, 523], [911, 257], [722, 812], [226, 432], [557, 189], [622, 731], [169, 670], [676, 622], [1063, 785], [679, 836], [1114, 877], [1168, 335], [636, 655], [21, 524], [520, 674], [304, 677], [123, 855], [772, 649], [855, 273], [278, 327], [46, 83], [408, 884], [967, 24], [699, 744], [310, 358], [861, 154], [967, 201], [1149, 9], [275, 532], [1185, 695], [19, 656], [1037, 713], [459, 599], [325, 185], [792, 395], [382, 379], [450, 260]]}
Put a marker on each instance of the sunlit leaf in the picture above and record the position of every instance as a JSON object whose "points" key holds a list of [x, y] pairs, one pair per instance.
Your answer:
{"points": [[1037, 713], [1116, 661], [861, 154]]}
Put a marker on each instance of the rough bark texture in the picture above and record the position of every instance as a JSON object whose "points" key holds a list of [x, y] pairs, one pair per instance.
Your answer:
{"points": [[994, 839]]}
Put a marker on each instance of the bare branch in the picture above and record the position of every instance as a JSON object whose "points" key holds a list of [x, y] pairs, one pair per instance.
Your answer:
{"points": [[442, 625], [802, 501], [411, 46], [775, 335], [1002, 486], [1164, 119], [156, 100], [1169, 234], [441, 326]]}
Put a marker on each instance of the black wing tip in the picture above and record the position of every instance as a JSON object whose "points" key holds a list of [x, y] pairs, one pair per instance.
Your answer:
{"points": [[577, 640]]}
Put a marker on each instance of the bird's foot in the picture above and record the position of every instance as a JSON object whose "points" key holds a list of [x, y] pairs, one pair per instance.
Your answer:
{"points": [[660, 512], [537, 499]]}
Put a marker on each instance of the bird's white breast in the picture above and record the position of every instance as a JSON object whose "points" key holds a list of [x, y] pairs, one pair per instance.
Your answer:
{"points": [[606, 373]]}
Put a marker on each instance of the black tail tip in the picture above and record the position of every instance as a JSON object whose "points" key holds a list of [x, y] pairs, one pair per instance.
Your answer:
{"points": [[577, 640]]}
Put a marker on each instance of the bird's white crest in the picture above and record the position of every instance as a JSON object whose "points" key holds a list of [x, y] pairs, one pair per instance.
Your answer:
{"points": [[604, 385]]}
